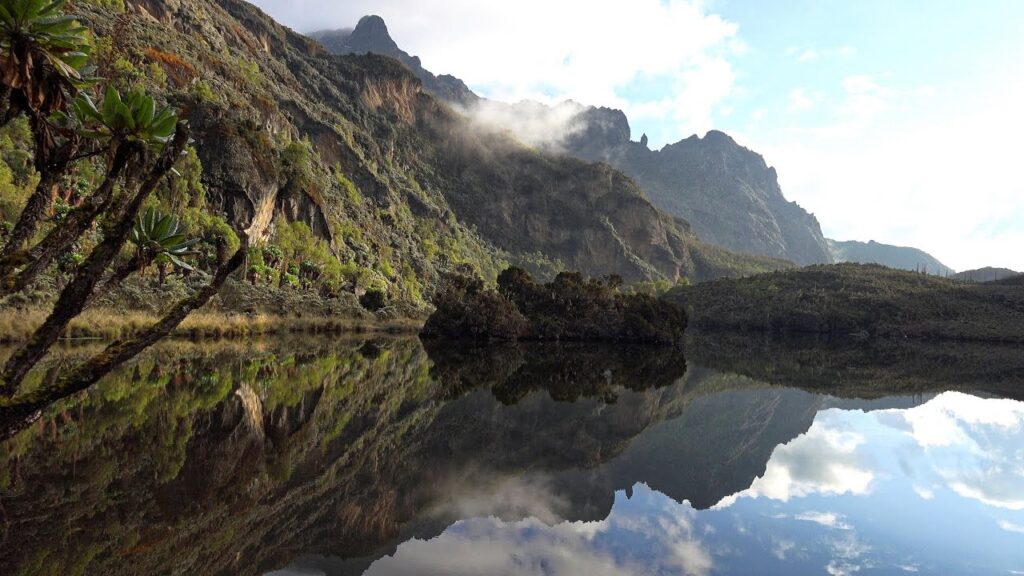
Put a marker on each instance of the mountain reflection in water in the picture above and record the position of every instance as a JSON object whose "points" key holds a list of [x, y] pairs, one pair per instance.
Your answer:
{"points": [[381, 457]]}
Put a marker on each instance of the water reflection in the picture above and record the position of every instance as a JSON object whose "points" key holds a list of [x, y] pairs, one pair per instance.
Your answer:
{"points": [[381, 457], [934, 489]]}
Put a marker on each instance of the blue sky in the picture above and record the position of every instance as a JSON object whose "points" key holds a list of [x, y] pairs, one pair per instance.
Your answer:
{"points": [[895, 121]]}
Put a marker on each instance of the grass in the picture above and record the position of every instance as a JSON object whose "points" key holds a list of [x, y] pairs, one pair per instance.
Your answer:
{"points": [[106, 324]]}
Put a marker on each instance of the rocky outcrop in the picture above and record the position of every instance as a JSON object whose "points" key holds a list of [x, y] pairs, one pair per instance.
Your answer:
{"points": [[371, 36], [899, 257]]}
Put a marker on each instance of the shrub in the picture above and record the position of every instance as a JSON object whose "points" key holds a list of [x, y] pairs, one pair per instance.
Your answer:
{"points": [[571, 307], [373, 300]]}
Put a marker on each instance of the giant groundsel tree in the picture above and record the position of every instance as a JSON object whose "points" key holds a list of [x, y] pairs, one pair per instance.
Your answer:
{"points": [[44, 75]]}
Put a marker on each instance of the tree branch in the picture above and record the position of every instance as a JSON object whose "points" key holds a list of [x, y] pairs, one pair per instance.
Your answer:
{"points": [[64, 235], [51, 161], [76, 294]]}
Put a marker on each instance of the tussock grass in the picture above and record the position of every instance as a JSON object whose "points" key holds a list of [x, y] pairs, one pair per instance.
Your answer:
{"points": [[108, 324]]}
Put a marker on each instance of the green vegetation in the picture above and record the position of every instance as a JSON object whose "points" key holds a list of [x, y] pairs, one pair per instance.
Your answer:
{"points": [[158, 238], [857, 300], [570, 308]]}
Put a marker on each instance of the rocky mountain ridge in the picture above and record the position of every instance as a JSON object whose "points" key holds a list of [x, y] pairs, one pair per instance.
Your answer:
{"points": [[728, 194], [371, 36]]}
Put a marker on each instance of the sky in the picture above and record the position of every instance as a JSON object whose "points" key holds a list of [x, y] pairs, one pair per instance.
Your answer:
{"points": [[894, 121]]}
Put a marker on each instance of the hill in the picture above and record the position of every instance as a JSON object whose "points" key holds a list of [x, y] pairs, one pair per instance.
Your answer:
{"points": [[987, 274], [858, 300], [899, 257]]}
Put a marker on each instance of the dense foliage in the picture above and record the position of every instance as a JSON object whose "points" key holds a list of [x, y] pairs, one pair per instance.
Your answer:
{"points": [[570, 307]]}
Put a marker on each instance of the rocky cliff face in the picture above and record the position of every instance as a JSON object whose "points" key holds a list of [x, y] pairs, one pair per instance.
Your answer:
{"points": [[899, 257]]}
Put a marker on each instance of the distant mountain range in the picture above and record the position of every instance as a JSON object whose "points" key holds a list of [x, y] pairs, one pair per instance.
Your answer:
{"points": [[899, 257], [726, 192]]}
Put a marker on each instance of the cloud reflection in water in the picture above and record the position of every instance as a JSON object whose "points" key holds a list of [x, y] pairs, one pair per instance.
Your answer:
{"points": [[938, 488]]}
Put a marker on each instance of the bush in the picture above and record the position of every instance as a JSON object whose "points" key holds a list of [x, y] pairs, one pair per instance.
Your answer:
{"points": [[373, 300], [570, 307]]}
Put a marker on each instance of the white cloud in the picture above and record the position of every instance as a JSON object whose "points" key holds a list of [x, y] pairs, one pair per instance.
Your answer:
{"points": [[824, 461], [807, 56], [915, 167], [482, 493], [972, 446], [800, 100], [650, 535], [1011, 527], [782, 548], [826, 519], [532, 123]]}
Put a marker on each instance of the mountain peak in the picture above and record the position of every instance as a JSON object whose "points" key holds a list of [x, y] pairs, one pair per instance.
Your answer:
{"points": [[372, 32]]}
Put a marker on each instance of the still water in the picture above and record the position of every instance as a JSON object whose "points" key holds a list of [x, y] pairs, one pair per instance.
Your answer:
{"points": [[356, 457]]}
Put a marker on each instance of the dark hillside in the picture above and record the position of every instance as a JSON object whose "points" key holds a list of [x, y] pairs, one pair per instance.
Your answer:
{"points": [[858, 300]]}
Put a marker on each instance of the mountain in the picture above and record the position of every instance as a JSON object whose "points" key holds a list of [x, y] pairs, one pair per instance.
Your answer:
{"points": [[727, 192], [898, 257], [397, 186], [987, 274]]}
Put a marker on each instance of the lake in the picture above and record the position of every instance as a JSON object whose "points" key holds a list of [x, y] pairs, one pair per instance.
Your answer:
{"points": [[736, 456]]}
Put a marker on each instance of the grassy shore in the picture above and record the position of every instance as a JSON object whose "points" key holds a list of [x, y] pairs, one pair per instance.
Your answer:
{"points": [[107, 324]]}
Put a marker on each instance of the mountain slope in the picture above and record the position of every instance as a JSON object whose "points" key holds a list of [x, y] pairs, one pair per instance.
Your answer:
{"points": [[728, 194], [898, 257]]}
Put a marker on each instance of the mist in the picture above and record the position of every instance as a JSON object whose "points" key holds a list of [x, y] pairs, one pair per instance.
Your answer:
{"points": [[532, 123]]}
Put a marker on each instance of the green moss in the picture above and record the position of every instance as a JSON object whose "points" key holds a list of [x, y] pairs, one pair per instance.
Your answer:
{"points": [[349, 188]]}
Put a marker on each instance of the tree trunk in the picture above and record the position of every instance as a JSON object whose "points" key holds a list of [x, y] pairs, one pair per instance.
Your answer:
{"points": [[74, 297], [63, 236], [18, 415], [51, 161]]}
